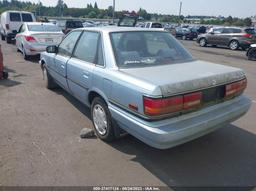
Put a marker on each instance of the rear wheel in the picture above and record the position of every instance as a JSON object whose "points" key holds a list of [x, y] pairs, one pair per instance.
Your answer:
{"points": [[234, 45], [252, 54], [102, 121], [25, 56], [202, 42], [8, 40]]}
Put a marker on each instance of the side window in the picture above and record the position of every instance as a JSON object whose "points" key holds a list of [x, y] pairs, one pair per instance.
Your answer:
{"points": [[15, 17], [26, 17], [100, 59], [86, 48], [218, 31], [227, 30], [67, 45]]}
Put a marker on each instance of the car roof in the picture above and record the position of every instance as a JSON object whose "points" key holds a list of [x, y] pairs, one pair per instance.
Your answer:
{"points": [[10, 11], [110, 29], [38, 23]]}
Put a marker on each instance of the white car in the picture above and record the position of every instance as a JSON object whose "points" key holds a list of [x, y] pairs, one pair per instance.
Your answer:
{"points": [[33, 38], [11, 22]]}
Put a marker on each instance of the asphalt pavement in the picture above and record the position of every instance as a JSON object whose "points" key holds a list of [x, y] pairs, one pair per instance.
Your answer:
{"points": [[40, 143]]}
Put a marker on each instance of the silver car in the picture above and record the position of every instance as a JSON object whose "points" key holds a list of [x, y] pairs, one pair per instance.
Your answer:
{"points": [[143, 81], [33, 38]]}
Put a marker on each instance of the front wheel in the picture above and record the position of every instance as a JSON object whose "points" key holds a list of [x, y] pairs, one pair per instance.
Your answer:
{"points": [[3, 37], [49, 81], [102, 121], [252, 54]]}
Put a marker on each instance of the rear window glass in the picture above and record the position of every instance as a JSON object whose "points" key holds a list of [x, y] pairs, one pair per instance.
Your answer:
{"points": [[250, 31], [15, 17], [156, 25], [142, 49], [74, 24], [26, 17], [46, 28]]}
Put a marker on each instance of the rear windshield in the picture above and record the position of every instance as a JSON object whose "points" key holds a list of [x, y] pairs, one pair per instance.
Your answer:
{"points": [[44, 28], [250, 31], [15, 17], [156, 25], [142, 49], [74, 24], [26, 17]]}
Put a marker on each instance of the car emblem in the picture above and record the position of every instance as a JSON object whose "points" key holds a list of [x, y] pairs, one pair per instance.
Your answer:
{"points": [[214, 82]]}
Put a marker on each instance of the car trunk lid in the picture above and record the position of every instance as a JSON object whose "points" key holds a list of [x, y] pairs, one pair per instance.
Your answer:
{"points": [[48, 38], [186, 77]]}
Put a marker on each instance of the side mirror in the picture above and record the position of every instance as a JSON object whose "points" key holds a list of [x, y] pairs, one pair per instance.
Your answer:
{"points": [[212, 33], [52, 49]]}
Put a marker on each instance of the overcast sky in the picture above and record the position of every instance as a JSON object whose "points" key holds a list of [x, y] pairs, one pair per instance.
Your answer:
{"points": [[239, 8]]}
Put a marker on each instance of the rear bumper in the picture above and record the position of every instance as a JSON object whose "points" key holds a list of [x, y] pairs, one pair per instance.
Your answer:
{"points": [[171, 132], [34, 49]]}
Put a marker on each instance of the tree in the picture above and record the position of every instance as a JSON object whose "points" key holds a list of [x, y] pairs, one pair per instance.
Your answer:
{"points": [[96, 5], [248, 22], [143, 13]]}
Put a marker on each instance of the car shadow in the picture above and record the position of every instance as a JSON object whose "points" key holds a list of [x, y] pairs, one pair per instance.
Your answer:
{"points": [[76, 103], [9, 83], [226, 157]]}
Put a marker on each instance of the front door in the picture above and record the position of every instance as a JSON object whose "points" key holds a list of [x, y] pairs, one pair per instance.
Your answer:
{"points": [[65, 51]]}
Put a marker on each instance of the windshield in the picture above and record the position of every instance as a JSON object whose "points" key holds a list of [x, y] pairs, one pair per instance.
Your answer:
{"points": [[140, 49], [45, 28]]}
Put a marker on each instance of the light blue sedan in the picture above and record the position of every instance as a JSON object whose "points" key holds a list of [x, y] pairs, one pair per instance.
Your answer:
{"points": [[142, 81]]}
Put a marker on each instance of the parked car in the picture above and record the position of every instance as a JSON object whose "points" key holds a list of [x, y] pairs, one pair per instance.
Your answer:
{"points": [[231, 37], [186, 33], [11, 22], [251, 53], [143, 81], [153, 25], [33, 38], [68, 25]]}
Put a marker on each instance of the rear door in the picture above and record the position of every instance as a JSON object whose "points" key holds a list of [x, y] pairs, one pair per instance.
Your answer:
{"points": [[65, 51], [15, 21], [81, 65]]}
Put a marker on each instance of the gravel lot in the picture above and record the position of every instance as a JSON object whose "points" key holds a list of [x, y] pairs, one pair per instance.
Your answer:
{"points": [[40, 143]]}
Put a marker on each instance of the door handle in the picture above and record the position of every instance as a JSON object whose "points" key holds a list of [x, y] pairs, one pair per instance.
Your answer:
{"points": [[86, 74], [62, 66]]}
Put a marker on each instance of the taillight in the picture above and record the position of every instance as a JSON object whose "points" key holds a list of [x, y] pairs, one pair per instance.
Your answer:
{"points": [[30, 39], [235, 88], [155, 107], [248, 35], [191, 101], [7, 26]]}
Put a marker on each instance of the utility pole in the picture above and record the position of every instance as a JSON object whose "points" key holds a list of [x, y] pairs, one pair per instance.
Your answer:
{"points": [[114, 4], [39, 9], [180, 11]]}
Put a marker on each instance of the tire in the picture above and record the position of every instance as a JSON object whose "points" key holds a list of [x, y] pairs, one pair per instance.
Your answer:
{"points": [[25, 56], [102, 121], [8, 40], [234, 45], [3, 37], [252, 54], [203, 42], [49, 81]]}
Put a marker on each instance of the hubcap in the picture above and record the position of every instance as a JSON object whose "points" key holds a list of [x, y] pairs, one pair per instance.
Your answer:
{"points": [[233, 45], [202, 42], [100, 119]]}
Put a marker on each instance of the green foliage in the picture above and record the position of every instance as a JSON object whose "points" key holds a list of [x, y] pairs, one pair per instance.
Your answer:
{"points": [[92, 11]]}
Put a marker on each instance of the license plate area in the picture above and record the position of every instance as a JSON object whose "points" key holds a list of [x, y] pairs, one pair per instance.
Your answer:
{"points": [[213, 95]]}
